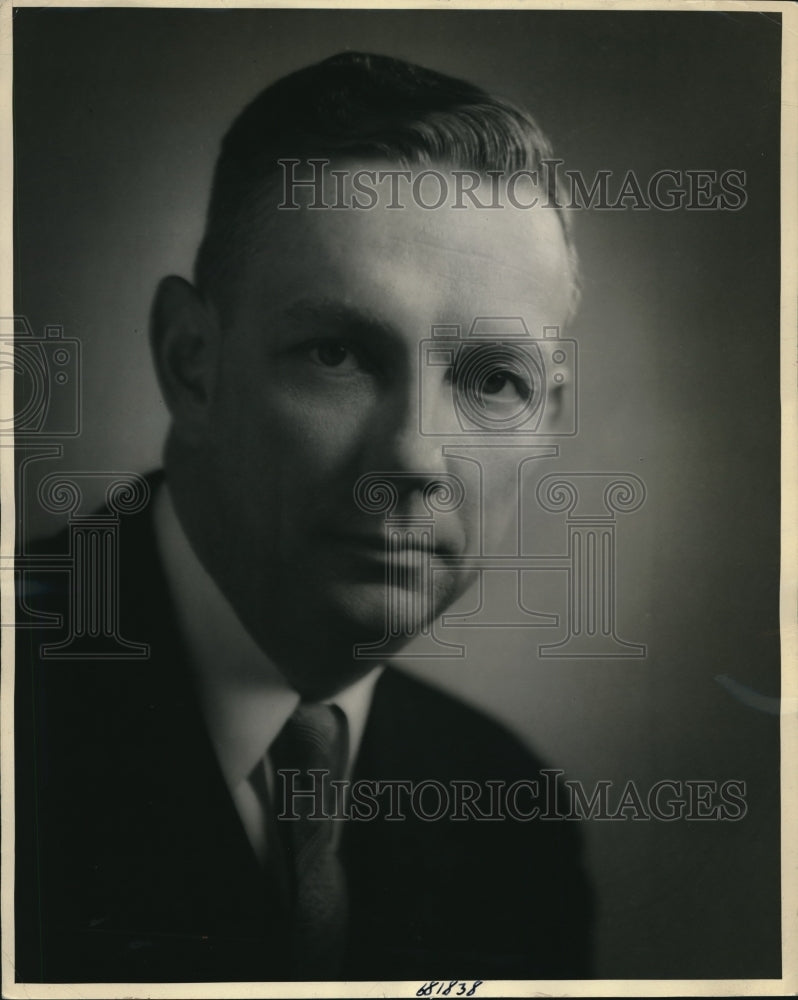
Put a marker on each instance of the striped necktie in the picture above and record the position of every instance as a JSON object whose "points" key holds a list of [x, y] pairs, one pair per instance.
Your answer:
{"points": [[309, 753]]}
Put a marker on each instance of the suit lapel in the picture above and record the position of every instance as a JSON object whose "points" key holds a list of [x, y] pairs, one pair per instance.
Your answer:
{"points": [[147, 871]]}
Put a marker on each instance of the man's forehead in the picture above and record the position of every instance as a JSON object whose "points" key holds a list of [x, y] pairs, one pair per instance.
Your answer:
{"points": [[507, 259], [426, 204]]}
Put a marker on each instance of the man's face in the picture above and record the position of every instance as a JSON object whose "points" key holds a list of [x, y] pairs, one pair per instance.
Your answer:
{"points": [[321, 379]]}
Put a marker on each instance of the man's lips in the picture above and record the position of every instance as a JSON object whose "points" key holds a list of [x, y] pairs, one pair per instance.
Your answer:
{"points": [[374, 544]]}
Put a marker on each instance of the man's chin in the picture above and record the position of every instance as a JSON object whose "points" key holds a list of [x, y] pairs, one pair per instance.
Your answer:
{"points": [[365, 610], [329, 639], [371, 612]]}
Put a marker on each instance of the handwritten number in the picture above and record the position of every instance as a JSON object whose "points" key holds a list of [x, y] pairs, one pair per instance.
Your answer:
{"points": [[428, 988]]}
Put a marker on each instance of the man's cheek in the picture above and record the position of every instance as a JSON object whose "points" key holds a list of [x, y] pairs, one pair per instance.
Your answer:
{"points": [[470, 520]]}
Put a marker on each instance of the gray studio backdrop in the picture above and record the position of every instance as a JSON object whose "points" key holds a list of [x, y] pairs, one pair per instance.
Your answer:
{"points": [[118, 115]]}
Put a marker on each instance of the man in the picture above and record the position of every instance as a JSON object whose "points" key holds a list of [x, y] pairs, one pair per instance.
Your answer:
{"points": [[165, 827]]}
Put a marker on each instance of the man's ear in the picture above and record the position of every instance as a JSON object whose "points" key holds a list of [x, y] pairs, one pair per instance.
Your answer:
{"points": [[184, 336]]}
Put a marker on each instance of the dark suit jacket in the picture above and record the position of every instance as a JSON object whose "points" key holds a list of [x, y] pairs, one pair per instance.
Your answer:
{"points": [[132, 864]]}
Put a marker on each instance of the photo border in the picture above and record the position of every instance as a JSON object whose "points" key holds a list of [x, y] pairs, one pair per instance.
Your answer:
{"points": [[789, 547]]}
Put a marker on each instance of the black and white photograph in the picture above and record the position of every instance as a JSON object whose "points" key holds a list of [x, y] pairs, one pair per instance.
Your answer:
{"points": [[395, 591]]}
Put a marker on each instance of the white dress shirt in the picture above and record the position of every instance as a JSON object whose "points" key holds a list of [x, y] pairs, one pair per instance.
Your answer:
{"points": [[245, 699]]}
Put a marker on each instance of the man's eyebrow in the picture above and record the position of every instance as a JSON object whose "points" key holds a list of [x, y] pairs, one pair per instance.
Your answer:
{"points": [[336, 315]]}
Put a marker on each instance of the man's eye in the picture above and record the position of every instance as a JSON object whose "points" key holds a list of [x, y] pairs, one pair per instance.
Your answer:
{"points": [[504, 385], [333, 354], [493, 376]]}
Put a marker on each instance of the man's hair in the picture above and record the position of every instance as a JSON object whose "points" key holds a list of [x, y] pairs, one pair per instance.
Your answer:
{"points": [[360, 106]]}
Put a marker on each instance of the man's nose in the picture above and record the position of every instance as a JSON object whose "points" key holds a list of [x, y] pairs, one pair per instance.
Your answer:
{"points": [[417, 423]]}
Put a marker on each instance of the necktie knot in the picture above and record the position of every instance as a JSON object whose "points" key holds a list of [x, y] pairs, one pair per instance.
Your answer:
{"points": [[313, 738]]}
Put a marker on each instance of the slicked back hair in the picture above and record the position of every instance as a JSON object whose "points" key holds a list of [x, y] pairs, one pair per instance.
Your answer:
{"points": [[357, 106]]}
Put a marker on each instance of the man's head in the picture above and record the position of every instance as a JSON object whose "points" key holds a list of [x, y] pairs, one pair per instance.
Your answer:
{"points": [[356, 107], [296, 365]]}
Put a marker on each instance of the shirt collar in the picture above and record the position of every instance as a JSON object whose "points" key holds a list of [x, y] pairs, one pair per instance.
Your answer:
{"points": [[245, 699]]}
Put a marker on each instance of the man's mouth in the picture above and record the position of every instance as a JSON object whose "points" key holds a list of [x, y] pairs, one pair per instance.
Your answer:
{"points": [[382, 546]]}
